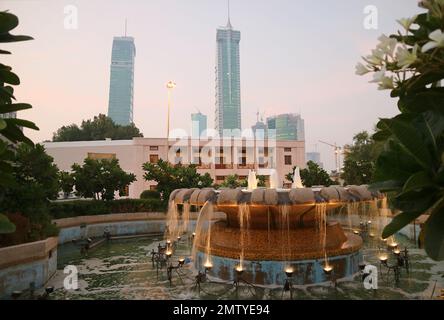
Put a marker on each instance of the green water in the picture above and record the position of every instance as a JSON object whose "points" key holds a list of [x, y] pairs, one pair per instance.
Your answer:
{"points": [[122, 270]]}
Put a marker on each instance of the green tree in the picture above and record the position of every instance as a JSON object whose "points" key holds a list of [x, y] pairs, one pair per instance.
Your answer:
{"points": [[10, 127], [411, 166], [100, 179], [100, 128], [313, 175], [233, 182], [360, 160], [170, 178], [36, 182], [66, 182]]}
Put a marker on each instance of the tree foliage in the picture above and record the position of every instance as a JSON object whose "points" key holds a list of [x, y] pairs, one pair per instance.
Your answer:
{"points": [[170, 178], [233, 182], [411, 164], [100, 179], [10, 127], [313, 175], [35, 184], [100, 128], [360, 160], [66, 182]]}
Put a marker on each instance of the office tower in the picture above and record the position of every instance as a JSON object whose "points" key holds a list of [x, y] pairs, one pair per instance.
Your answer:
{"points": [[228, 99], [315, 157], [286, 127], [198, 125], [120, 108]]}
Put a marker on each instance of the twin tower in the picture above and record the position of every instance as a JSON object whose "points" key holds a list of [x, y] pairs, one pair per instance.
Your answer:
{"points": [[228, 94]]}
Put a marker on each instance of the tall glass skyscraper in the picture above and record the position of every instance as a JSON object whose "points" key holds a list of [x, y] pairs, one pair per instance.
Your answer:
{"points": [[287, 127], [120, 107], [228, 95]]}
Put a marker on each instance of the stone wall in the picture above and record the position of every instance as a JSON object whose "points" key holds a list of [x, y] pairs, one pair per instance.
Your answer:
{"points": [[30, 263]]}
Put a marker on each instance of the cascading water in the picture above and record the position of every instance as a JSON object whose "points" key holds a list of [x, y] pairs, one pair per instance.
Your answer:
{"points": [[172, 229], [184, 228], [244, 223], [321, 219], [203, 232], [285, 233]]}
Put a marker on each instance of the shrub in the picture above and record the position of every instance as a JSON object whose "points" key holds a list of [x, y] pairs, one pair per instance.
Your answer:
{"points": [[150, 194], [67, 209]]}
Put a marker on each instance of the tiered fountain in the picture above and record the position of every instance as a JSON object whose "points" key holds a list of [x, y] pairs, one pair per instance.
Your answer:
{"points": [[270, 234]]}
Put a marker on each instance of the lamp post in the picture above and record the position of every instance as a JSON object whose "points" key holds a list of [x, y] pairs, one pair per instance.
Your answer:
{"points": [[170, 86]]}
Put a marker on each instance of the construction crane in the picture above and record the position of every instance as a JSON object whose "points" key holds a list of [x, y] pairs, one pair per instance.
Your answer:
{"points": [[338, 151]]}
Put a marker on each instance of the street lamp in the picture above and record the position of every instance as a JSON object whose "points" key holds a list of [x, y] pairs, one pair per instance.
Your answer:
{"points": [[170, 86]]}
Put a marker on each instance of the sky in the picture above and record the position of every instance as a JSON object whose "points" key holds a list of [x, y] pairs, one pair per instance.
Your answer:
{"points": [[297, 56]]}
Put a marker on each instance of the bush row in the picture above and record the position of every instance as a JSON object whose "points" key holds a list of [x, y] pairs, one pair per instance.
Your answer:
{"points": [[67, 209]]}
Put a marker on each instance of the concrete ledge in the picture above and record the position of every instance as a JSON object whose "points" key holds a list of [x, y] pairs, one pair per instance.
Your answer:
{"points": [[27, 252], [105, 218]]}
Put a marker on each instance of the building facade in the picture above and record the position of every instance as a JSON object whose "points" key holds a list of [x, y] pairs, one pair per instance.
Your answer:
{"points": [[198, 125], [121, 88], [228, 94], [286, 127], [237, 157]]}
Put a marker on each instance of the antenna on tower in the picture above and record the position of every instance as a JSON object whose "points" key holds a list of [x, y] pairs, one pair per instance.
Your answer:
{"points": [[125, 26], [229, 21]]}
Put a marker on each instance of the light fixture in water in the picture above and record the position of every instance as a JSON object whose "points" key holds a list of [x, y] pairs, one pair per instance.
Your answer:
{"points": [[169, 253], [397, 251], [356, 232], [371, 235], [208, 266], [239, 269], [328, 269], [393, 245], [178, 238], [289, 271], [181, 262], [383, 258]]}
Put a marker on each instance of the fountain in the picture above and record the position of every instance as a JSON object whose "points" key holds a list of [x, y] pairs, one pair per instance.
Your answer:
{"points": [[297, 181], [267, 232]]}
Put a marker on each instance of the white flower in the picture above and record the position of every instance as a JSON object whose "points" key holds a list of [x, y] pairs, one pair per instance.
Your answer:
{"points": [[379, 75], [406, 57], [437, 38], [376, 58], [382, 80], [386, 83], [407, 22], [361, 69], [386, 45]]}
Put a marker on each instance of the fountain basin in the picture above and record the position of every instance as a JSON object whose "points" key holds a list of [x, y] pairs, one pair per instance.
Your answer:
{"points": [[272, 273], [278, 245]]}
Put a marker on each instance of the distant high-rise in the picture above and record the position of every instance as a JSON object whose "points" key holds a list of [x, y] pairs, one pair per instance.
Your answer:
{"points": [[260, 129], [315, 157], [198, 125], [286, 127], [121, 88], [228, 95]]}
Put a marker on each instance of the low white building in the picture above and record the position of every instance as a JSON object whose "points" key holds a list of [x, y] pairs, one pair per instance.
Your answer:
{"points": [[218, 157]]}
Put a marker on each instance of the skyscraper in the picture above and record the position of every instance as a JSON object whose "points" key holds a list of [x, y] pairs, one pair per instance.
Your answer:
{"points": [[287, 127], [120, 107], [198, 125], [228, 99]]}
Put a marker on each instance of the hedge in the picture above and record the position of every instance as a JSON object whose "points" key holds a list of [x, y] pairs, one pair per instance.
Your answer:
{"points": [[67, 209]]}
